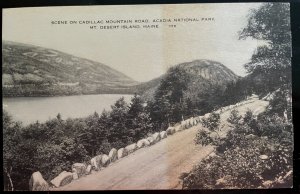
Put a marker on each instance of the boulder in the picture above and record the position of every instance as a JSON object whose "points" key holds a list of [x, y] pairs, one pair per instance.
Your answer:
{"points": [[37, 182], [200, 118], [206, 115], [183, 124], [250, 136], [96, 162], [218, 111], [88, 169], [113, 155], [151, 140], [75, 176], [105, 160], [263, 157], [142, 143], [191, 122], [170, 131], [147, 143], [79, 169], [178, 128], [62, 179], [194, 122], [163, 135], [156, 137], [121, 153], [131, 148], [187, 123]]}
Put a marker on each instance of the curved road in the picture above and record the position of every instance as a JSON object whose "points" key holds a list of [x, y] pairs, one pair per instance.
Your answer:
{"points": [[158, 166]]}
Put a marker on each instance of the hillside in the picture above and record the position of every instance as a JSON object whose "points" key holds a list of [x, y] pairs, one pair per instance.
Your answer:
{"points": [[35, 71], [203, 77], [161, 165]]}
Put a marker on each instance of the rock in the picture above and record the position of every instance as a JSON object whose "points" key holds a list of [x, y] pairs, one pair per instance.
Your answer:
{"points": [[62, 179], [163, 134], [200, 118], [131, 148], [75, 176], [88, 169], [142, 143], [195, 121], [206, 115], [170, 131], [156, 137], [37, 182], [113, 155], [147, 143], [189, 123], [105, 160], [121, 153], [151, 140], [79, 169], [263, 157], [250, 136], [183, 124], [96, 162], [178, 128]]}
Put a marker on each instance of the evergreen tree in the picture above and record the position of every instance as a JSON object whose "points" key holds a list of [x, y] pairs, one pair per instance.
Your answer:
{"points": [[118, 114], [138, 119]]}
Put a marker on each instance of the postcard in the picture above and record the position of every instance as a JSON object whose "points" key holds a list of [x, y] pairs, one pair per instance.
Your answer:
{"points": [[147, 97]]}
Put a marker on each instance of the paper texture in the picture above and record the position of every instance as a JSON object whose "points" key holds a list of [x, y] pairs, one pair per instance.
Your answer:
{"points": [[185, 96]]}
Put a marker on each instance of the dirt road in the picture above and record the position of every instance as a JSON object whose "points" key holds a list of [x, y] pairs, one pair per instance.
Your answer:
{"points": [[158, 166]]}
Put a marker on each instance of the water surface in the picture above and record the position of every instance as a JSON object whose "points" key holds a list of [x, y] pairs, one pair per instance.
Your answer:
{"points": [[31, 109]]}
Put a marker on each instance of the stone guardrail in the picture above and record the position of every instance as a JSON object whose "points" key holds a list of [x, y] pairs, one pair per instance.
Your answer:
{"points": [[99, 162]]}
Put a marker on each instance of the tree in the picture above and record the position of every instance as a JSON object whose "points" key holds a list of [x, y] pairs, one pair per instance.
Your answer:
{"points": [[271, 24], [234, 117], [169, 98], [138, 120], [118, 114], [11, 138], [212, 124]]}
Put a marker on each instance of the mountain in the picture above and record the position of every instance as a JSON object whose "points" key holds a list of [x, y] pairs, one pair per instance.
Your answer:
{"points": [[29, 70], [204, 76]]}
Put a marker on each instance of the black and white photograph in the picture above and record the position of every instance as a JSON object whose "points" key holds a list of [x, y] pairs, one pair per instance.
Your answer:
{"points": [[147, 97]]}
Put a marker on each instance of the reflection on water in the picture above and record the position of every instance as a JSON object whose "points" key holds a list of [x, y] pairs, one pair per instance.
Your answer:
{"points": [[31, 109]]}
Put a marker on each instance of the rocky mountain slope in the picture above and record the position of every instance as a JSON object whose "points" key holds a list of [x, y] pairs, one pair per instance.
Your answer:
{"points": [[203, 76], [35, 71]]}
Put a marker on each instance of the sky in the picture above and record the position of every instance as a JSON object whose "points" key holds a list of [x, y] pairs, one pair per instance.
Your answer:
{"points": [[142, 54]]}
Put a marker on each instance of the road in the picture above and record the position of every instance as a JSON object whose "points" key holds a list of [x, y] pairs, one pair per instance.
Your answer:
{"points": [[158, 166]]}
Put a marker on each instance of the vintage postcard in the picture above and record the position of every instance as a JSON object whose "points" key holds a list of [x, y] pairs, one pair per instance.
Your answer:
{"points": [[131, 97]]}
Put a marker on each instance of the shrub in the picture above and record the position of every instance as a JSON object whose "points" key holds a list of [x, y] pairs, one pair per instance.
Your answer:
{"points": [[234, 117]]}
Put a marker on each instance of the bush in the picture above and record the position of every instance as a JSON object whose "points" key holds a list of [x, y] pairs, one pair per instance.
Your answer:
{"points": [[257, 153], [241, 165], [205, 137], [234, 117]]}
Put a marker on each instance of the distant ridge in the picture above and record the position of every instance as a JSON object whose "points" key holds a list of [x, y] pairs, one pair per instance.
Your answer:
{"points": [[30, 70]]}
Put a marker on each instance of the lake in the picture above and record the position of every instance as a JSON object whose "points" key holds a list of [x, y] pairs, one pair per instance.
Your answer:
{"points": [[31, 109]]}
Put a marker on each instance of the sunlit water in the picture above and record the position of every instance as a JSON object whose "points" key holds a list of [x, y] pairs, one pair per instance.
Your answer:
{"points": [[31, 109]]}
